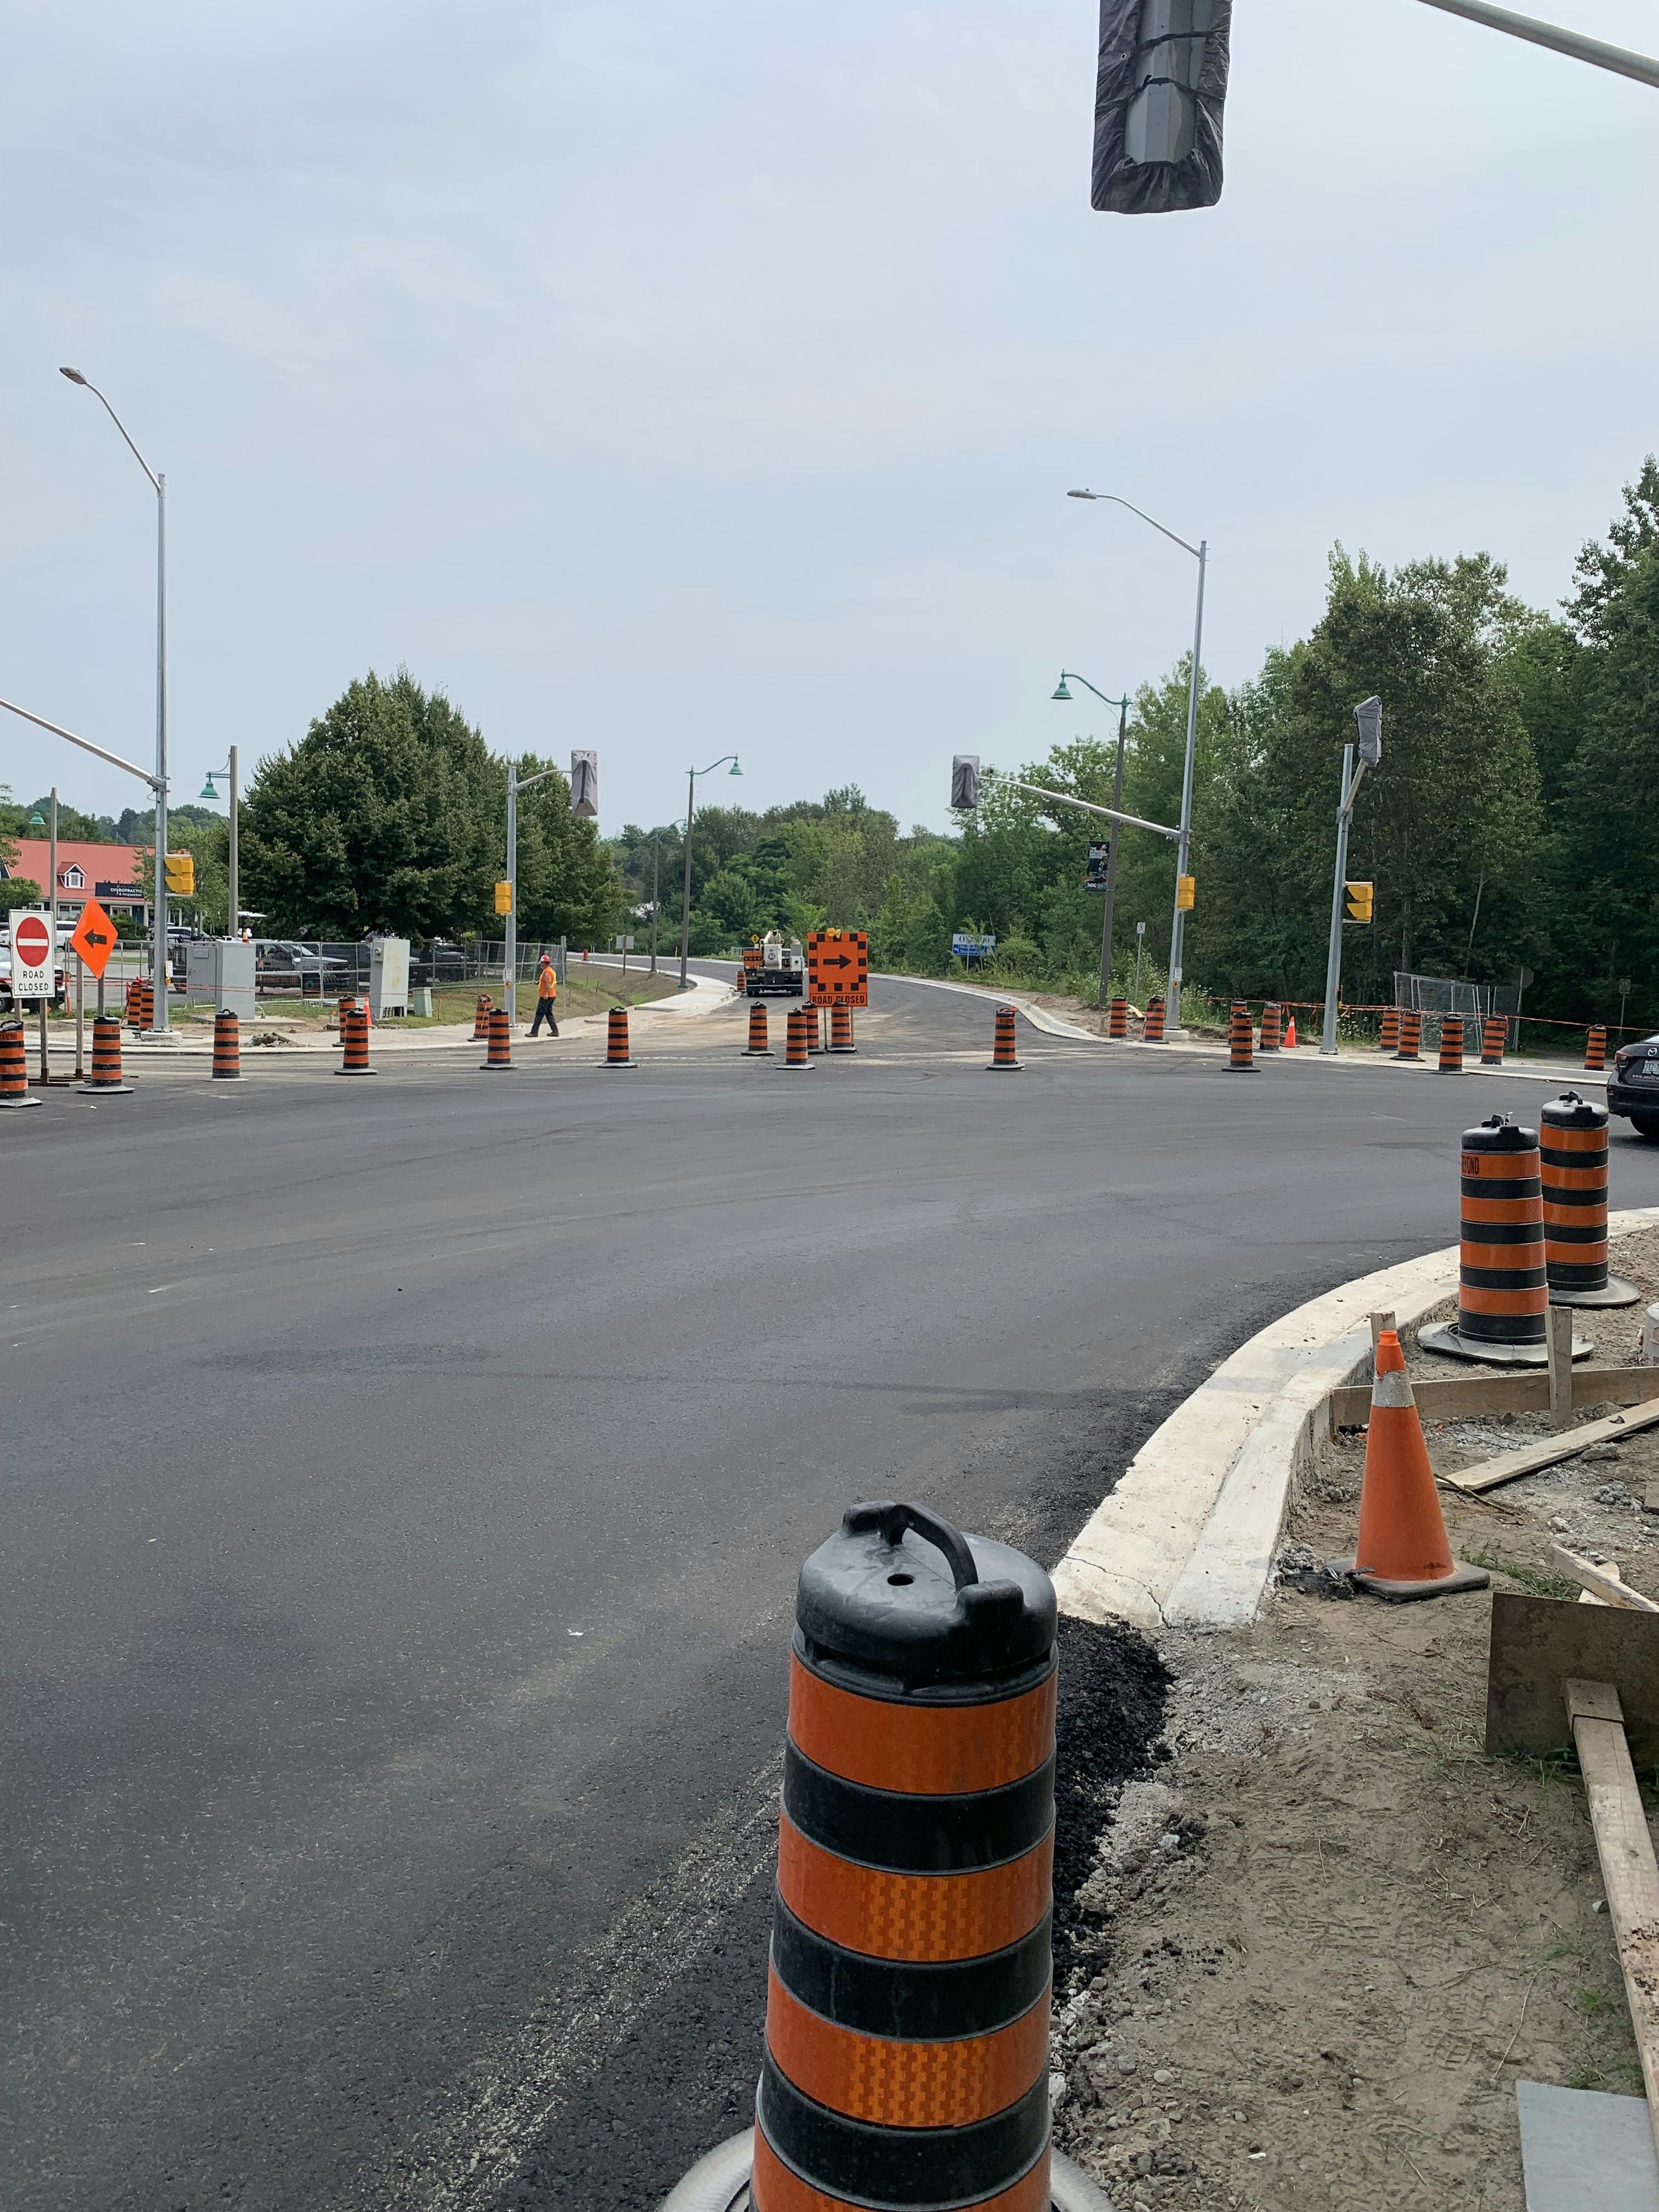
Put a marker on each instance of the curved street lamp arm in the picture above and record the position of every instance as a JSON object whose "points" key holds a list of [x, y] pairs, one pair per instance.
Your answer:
{"points": [[85, 743], [1142, 513], [1071, 676], [712, 765], [154, 480]]}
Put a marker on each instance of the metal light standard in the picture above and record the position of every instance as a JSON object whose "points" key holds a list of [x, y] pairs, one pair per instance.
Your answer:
{"points": [[515, 784], [208, 791], [158, 781], [1368, 716], [1060, 693], [686, 896], [1201, 553], [656, 874]]}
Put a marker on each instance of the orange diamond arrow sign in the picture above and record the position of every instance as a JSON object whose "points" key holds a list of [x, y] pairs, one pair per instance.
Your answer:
{"points": [[94, 937]]}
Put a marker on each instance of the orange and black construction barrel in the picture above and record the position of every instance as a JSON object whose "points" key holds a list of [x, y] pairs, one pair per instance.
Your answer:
{"points": [[616, 1054], [841, 1030], [1241, 1052], [342, 1010], [1390, 1030], [106, 1076], [498, 1040], [1573, 1152], [14, 1067], [353, 1036], [130, 1004], [1451, 1044], [1503, 1297], [906, 2017], [758, 1048], [1271, 1032], [141, 1003], [1595, 1050], [227, 1048], [1117, 1019], [481, 1011], [1411, 1034], [1003, 1054], [796, 1054], [1493, 1032], [814, 1025], [1151, 1026]]}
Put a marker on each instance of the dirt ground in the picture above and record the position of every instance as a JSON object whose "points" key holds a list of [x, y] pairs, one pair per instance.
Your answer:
{"points": [[1322, 1939]]}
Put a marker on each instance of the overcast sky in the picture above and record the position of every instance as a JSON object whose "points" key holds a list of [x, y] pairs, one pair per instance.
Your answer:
{"points": [[679, 378]]}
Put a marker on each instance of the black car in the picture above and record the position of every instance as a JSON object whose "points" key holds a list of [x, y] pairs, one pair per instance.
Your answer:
{"points": [[1633, 1085]]}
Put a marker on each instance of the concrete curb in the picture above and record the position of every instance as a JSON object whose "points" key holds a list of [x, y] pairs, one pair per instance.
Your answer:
{"points": [[1188, 1537]]}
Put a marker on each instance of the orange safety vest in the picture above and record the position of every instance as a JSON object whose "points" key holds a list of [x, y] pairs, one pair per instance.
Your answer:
{"points": [[547, 983]]}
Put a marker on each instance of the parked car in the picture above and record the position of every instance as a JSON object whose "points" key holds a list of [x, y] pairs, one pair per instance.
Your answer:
{"points": [[59, 996], [287, 957], [1633, 1085]]}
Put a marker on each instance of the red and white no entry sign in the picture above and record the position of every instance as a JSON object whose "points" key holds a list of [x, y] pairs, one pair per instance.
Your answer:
{"points": [[32, 941]]}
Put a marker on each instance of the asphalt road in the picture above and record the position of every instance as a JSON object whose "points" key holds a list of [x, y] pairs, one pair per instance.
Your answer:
{"points": [[404, 1484]]}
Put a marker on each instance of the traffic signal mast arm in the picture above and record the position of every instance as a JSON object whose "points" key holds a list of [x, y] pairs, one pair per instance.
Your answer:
{"points": [[85, 743], [1063, 799], [1596, 51]]}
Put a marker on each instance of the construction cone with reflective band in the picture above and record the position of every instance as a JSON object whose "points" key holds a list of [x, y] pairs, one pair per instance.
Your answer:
{"points": [[498, 1046], [1390, 1030], [615, 1040], [796, 1054], [1003, 1054], [1573, 1154], [841, 1030], [1117, 1019], [1241, 1040], [1403, 1551], [106, 1076], [14, 1067], [227, 1048], [1290, 1033], [1151, 1026], [1451, 1045], [758, 1048], [1411, 1034], [1492, 1035], [1270, 1029], [480, 1013], [1595, 1051], [1503, 1301], [353, 1036]]}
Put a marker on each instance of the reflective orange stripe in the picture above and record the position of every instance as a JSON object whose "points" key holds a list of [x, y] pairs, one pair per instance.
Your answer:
{"points": [[777, 2188], [925, 1750], [1474, 1254], [905, 2085], [912, 1916], [1506, 1211], [1503, 1302], [1574, 1140]]}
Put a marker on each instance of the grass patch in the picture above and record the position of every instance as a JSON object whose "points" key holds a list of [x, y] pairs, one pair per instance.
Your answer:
{"points": [[1537, 1582]]}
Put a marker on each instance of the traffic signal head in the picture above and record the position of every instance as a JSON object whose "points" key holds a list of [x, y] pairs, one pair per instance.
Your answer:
{"points": [[503, 898], [1159, 90], [1367, 720], [1186, 893], [964, 781], [1358, 901], [584, 789], [179, 874]]}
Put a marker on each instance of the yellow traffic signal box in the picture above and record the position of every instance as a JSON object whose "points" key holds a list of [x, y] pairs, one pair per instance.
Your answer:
{"points": [[179, 875], [1358, 899]]}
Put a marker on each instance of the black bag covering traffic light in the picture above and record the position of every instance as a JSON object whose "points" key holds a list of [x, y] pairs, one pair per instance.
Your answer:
{"points": [[1159, 90], [964, 782]]}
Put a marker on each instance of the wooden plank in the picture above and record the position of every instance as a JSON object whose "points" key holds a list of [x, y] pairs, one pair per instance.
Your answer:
{"points": [[1629, 1872], [1605, 1583], [1559, 1371], [1537, 1643], [1487, 1473], [1464, 1397]]}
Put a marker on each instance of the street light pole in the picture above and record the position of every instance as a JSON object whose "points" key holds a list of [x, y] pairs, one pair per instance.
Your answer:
{"points": [[515, 784], [1333, 954], [686, 894], [656, 875], [1201, 553], [233, 888], [159, 782], [1122, 705]]}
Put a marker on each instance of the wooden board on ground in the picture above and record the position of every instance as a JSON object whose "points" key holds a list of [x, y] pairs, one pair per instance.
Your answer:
{"points": [[1464, 1397], [1509, 1467], [1539, 1642]]}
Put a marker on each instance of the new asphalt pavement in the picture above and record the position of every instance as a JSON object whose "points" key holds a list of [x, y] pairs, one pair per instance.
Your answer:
{"points": [[405, 1484]]}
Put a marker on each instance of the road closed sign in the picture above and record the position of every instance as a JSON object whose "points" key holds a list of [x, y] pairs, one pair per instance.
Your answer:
{"points": [[32, 976], [838, 968]]}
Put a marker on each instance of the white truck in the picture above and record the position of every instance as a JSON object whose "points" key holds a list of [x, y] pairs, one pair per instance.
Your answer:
{"points": [[772, 968]]}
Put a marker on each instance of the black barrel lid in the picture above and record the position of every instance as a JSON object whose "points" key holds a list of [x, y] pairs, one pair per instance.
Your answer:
{"points": [[1499, 1135], [898, 1600], [1570, 1111]]}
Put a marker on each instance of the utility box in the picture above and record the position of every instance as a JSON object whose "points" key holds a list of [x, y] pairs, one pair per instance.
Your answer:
{"points": [[388, 977], [420, 1001], [221, 971]]}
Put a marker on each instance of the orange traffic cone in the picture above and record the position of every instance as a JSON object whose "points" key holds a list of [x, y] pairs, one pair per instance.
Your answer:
{"points": [[1290, 1033], [1403, 1549]]}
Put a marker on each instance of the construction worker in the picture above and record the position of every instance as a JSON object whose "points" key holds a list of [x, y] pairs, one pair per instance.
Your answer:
{"points": [[546, 995]]}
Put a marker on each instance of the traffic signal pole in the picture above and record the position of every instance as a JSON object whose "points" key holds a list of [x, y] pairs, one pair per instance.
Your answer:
{"points": [[1334, 957], [1596, 51]]}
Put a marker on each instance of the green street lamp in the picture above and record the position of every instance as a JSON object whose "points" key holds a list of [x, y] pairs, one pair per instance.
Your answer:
{"points": [[38, 821], [1060, 693], [208, 791], [685, 894]]}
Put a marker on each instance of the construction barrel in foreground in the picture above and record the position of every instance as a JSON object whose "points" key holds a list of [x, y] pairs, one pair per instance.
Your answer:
{"points": [[14, 1067], [906, 2017], [1270, 1027], [1403, 1551], [1241, 1039], [1151, 1026], [1117, 1019], [1503, 1300], [1451, 1044], [758, 1048], [1492, 1035], [796, 1054], [1573, 1155], [1411, 1034], [841, 1030], [1003, 1054], [498, 1040], [106, 1075], [615, 1040], [1390, 1041], [227, 1046], [354, 1036]]}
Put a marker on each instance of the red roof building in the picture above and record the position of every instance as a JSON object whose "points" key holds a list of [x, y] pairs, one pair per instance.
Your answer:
{"points": [[109, 873]]}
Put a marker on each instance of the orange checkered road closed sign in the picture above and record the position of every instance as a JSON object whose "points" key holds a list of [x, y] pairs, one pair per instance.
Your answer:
{"points": [[838, 968]]}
